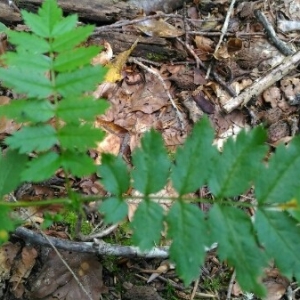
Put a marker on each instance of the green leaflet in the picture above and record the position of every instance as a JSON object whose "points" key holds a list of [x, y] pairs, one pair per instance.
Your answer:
{"points": [[82, 80], [76, 163], [41, 168], [69, 40], [280, 235], [233, 231], [74, 109], [114, 209], [151, 164], [79, 137], [237, 167], [25, 110], [279, 180], [147, 224], [28, 42], [43, 23], [192, 161], [11, 164], [114, 174], [75, 58], [32, 63], [33, 84], [34, 138], [7, 224], [186, 226]]}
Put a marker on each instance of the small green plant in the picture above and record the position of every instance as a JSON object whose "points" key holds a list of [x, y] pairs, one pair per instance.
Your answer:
{"points": [[55, 75]]}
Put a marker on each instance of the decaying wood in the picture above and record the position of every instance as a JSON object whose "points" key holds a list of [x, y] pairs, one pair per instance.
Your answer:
{"points": [[152, 48], [99, 11]]}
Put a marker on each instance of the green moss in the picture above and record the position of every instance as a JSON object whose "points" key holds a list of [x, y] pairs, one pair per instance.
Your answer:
{"points": [[156, 56], [71, 218]]}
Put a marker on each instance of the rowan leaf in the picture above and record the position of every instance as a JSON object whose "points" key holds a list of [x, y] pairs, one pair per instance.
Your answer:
{"points": [[32, 63], [279, 181], [151, 164], [25, 110], [41, 167], [79, 137], [192, 161], [33, 138], [239, 163], [48, 16], [75, 58], [65, 25], [233, 230], [28, 42], [114, 209], [82, 80], [280, 234], [78, 164], [147, 224], [33, 84], [114, 174], [74, 109], [69, 40], [188, 230], [11, 165]]}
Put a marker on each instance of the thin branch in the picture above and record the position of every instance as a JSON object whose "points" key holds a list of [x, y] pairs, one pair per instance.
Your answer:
{"points": [[289, 63], [96, 247], [229, 291]]}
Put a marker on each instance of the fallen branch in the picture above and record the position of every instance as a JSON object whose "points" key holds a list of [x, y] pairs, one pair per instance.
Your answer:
{"points": [[96, 247], [289, 63]]}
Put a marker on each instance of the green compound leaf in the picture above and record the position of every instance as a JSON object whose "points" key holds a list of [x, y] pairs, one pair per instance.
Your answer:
{"points": [[31, 83], [79, 137], [114, 210], [28, 42], [233, 231], [238, 165], [74, 109], [79, 81], [188, 230], [28, 110], [64, 26], [33, 138], [7, 224], [78, 164], [69, 40], [42, 167], [48, 16], [279, 181], [11, 164], [147, 224], [151, 164], [192, 161], [75, 58], [114, 174], [33, 63], [280, 235], [3, 28]]}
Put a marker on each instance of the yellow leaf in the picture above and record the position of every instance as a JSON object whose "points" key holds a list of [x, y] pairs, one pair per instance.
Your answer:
{"points": [[114, 73]]}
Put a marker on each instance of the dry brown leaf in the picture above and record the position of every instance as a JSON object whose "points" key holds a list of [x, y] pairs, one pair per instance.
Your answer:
{"points": [[204, 47], [104, 56], [56, 282], [159, 28], [22, 269]]}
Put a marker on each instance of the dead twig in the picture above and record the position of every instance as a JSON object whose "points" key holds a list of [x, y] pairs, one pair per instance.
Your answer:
{"points": [[289, 63], [194, 289], [279, 44], [223, 31], [96, 247], [232, 279]]}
